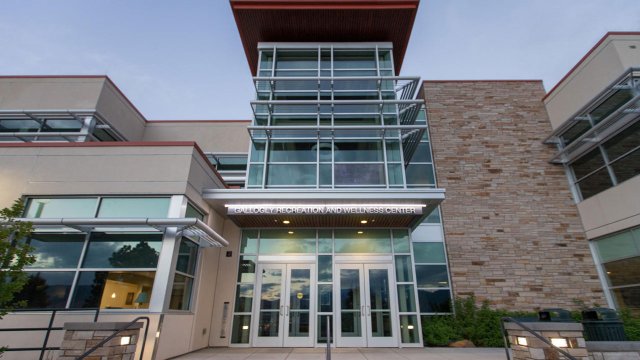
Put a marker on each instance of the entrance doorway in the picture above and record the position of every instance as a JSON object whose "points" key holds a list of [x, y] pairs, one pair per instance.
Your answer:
{"points": [[285, 306], [366, 306]]}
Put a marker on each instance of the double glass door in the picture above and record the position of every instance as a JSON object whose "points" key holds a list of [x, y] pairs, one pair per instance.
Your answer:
{"points": [[285, 306], [366, 306]]}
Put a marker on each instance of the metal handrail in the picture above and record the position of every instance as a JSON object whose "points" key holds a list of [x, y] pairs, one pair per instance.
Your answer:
{"points": [[532, 332], [125, 327], [48, 329]]}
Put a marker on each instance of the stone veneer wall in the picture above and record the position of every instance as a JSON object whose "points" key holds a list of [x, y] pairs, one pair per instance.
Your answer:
{"points": [[512, 231]]}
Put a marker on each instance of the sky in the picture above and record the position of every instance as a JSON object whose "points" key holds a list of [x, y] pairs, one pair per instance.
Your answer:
{"points": [[184, 60]]}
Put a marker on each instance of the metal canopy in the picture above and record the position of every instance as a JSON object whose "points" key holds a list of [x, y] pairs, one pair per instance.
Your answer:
{"points": [[188, 226], [603, 129], [89, 120]]}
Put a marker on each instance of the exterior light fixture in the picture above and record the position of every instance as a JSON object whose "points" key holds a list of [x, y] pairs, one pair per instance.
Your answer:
{"points": [[522, 341], [290, 232], [157, 334], [125, 340], [360, 232], [245, 327], [113, 295], [363, 221], [410, 327], [560, 342], [286, 222]]}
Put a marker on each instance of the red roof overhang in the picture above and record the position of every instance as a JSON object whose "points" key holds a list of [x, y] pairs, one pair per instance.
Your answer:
{"points": [[324, 21]]}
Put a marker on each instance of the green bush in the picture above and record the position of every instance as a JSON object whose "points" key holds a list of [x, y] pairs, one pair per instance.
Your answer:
{"points": [[631, 324]]}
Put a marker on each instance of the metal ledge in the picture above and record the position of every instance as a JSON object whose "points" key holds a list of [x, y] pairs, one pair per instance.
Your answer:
{"points": [[188, 226]]}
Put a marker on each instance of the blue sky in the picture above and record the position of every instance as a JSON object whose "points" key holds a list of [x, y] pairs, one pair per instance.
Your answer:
{"points": [[184, 59]]}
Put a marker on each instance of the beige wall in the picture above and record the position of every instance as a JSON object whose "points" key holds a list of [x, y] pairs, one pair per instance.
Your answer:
{"points": [[225, 287], [24, 93], [119, 113], [211, 136], [603, 65], [78, 170], [612, 210]]}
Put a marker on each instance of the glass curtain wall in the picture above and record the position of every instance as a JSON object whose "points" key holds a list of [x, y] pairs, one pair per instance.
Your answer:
{"points": [[109, 268], [322, 110], [325, 245]]}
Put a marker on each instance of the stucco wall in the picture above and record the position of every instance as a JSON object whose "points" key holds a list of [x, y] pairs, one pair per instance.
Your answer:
{"points": [[211, 136], [512, 231]]}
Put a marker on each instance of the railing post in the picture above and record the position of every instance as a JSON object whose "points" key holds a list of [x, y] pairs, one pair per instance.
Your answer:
{"points": [[328, 337], [46, 336]]}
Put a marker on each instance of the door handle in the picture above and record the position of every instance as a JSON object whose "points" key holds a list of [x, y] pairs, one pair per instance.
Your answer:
{"points": [[281, 310], [286, 311], [368, 310], [362, 310]]}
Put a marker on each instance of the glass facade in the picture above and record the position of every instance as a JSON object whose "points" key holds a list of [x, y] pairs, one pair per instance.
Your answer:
{"points": [[619, 256], [335, 116]]}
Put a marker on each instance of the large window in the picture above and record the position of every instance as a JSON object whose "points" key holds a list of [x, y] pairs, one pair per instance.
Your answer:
{"points": [[184, 276], [106, 268], [615, 161], [619, 256]]}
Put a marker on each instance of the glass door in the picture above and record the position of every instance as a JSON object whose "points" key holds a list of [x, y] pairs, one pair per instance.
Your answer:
{"points": [[366, 306], [285, 305]]}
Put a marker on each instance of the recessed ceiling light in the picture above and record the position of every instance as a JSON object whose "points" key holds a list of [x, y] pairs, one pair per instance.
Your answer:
{"points": [[360, 232], [286, 222], [363, 221], [290, 232]]}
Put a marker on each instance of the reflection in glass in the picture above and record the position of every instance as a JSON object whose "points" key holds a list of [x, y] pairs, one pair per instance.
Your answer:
{"points": [[406, 298], [432, 276], [187, 257], [249, 244], [322, 328], [623, 272], [409, 329], [370, 241], [628, 297], [325, 241], [181, 292], [46, 289], [61, 208], [401, 241], [420, 174], [325, 297], [404, 273], [270, 294], [350, 312], [299, 302], [247, 269], [284, 242], [434, 301], [134, 207], [244, 298], [240, 332], [595, 183], [325, 268], [428, 252], [55, 251], [617, 246], [379, 303], [359, 174], [292, 174], [113, 289], [109, 250]]}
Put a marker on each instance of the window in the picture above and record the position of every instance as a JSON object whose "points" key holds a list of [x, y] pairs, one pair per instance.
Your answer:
{"points": [[184, 276], [106, 269], [619, 256]]}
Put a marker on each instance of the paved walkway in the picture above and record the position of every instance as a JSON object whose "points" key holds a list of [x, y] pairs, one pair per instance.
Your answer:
{"points": [[346, 354]]}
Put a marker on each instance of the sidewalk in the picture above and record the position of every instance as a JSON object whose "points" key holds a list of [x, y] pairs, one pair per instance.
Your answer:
{"points": [[346, 354]]}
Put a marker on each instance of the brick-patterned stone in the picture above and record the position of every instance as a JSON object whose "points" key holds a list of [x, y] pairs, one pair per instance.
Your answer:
{"points": [[512, 231]]}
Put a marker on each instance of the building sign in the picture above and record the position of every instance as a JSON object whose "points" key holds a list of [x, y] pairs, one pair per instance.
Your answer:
{"points": [[324, 209]]}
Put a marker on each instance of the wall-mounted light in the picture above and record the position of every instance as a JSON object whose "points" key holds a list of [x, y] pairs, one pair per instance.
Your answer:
{"points": [[245, 327], [113, 295], [522, 341], [410, 327], [125, 340], [560, 342], [157, 334]]}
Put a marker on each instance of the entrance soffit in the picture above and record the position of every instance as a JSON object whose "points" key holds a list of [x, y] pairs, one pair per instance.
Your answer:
{"points": [[335, 208]]}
